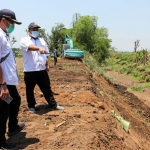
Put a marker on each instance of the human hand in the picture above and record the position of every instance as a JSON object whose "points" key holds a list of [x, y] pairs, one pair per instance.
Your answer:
{"points": [[42, 50], [4, 93], [47, 67]]}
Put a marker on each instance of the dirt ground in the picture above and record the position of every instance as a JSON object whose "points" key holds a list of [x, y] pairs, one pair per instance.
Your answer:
{"points": [[127, 81], [86, 123]]}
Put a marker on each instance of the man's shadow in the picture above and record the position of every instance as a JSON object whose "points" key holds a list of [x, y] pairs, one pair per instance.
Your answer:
{"points": [[43, 109], [21, 141]]}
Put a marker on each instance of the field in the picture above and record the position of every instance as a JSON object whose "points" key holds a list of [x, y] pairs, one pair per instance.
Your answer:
{"points": [[86, 123]]}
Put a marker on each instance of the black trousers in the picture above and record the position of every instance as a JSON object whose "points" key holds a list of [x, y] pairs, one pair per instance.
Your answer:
{"points": [[55, 60], [40, 78], [9, 111]]}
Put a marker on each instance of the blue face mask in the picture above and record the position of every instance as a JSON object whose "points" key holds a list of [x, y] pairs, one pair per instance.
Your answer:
{"points": [[35, 34]]}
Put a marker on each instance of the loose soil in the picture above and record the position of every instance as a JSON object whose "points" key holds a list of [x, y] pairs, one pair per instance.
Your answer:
{"points": [[86, 123]]}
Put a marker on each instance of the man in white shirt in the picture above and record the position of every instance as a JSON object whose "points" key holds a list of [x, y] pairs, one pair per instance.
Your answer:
{"points": [[35, 63], [8, 80]]}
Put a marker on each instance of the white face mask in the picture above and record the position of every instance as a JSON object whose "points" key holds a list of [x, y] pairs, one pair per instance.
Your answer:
{"points": [[35, 34]]}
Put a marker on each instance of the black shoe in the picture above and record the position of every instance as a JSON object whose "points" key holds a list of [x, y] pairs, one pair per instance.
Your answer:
{"points": [[37, 109], [7, 146], [19, 128]]}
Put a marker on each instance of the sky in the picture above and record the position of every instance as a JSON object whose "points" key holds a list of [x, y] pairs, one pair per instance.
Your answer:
{"points": [[126, 20]]}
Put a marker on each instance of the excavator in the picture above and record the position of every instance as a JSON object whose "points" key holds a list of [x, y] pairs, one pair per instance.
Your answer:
{"points": [[68, 50]]}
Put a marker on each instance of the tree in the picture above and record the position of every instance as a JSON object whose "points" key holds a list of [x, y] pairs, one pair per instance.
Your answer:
{"points": [[136, 45], [58, 34], [17, 52], [75, 17], [13, 41], [56, 37], [85, 35], [93, 39], [84, 30], [46, 37], [101, 44], [113, 49]]}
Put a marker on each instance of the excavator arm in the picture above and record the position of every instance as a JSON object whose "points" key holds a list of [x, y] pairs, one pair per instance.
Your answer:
{"points": [[68, 49], [69, 41]]}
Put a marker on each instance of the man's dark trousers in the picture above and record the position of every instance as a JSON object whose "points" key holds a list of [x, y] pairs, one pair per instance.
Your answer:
{"points": [[9, 111], [55, 60], [40, 78]]}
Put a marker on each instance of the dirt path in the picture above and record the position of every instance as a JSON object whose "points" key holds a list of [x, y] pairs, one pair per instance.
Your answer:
{"points": [[87, 122]]}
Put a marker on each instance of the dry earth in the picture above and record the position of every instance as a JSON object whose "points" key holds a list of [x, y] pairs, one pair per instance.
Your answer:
{"points": [[87, 122], [128, 82]]}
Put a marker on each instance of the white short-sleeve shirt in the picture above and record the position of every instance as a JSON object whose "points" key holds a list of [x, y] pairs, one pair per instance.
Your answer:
{"points": [[9, 66], [33, 60]]}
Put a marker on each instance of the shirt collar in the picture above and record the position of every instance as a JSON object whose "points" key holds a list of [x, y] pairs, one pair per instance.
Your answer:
{"points": [[32, 38], [3, 32]]}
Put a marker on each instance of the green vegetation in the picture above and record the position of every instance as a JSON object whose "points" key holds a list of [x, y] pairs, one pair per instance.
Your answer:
{"points": [[125, 63], [93, 65], [17, 52], [139, 88], [99, 56], [85, 34], [135, 65], [70, 66], [128, 64], [20, 72]]}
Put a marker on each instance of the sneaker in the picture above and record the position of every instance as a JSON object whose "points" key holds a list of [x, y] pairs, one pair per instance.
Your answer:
{"points": [[59, 108], [19, 128], [7, 146], [33, 109]]}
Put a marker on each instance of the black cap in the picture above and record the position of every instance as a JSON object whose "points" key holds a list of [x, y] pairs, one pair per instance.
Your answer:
{"points": [[8, 14], [33, 25]]}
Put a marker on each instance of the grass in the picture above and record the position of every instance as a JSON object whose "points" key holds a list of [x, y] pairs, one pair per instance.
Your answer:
{"points": [[92, 65], [138, 88], [20, 72], [147, 123], [101, 93], [125, 64], [70, 66]]}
